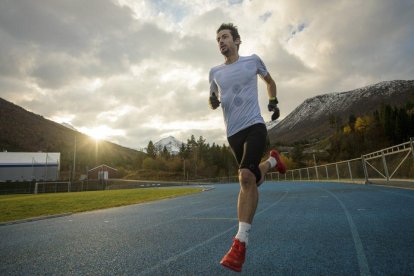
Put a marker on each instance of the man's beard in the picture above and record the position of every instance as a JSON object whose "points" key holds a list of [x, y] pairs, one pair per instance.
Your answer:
{"points": [[226, 52]]}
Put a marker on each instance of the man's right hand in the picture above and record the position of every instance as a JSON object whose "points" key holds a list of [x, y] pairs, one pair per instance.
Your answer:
{"points": [[213, 101]]}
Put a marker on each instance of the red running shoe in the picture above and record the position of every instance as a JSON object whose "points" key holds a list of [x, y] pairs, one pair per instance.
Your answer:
{"points": [[234, 259], [280, 166]]}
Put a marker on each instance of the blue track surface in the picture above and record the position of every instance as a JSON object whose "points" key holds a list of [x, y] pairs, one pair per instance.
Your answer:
{"points": [[299, 229]]}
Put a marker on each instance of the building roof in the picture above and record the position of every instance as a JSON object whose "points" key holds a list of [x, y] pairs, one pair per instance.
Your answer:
{"points": [[102, 165], [29, 157]]}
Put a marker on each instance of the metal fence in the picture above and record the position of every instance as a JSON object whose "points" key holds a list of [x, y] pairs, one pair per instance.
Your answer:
{"points": [[389, 166], [392, 166]]}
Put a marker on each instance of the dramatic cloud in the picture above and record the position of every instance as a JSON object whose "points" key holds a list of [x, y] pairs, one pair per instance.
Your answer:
{"points": [[131, 71]]}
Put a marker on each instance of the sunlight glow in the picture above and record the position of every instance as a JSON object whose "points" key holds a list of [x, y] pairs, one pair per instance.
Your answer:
{"points": [[102, 132]]}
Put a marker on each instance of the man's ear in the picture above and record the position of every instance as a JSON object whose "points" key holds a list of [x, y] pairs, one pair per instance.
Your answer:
{"points": [[237, 41]]}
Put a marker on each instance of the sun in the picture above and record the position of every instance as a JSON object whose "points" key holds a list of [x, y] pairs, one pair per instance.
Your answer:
{"points": [[98, 133]]}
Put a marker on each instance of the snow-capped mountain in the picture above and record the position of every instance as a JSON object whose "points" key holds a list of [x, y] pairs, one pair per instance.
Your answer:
{"points": [[311, 119], [172, 144]]}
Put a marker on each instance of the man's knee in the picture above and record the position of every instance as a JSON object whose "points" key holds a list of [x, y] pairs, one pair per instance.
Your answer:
{"points": [[245, 176], [251, 171]]}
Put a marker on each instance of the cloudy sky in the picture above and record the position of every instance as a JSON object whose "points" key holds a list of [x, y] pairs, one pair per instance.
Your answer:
{"points": [[137, 70]]}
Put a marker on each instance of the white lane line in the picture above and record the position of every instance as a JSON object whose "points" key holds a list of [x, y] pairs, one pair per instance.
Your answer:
{"points": [[175, 219], [177, 256], [362, 260], [270, 206], [212, 218]]}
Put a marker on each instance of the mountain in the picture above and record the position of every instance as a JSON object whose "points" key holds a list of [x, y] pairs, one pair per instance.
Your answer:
{"points": [[271, 124], [311, 119], [172, 144], [68, 125], [24, 131]]}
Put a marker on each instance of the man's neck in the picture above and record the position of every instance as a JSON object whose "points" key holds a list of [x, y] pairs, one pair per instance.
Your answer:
{"points": [[232, 58]]}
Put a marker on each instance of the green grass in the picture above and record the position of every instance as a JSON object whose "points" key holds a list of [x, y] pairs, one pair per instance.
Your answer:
{"points": [[16, 207]]}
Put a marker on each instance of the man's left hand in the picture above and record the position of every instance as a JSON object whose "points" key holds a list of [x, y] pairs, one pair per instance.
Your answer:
{"points": [[276, 114], [272, 106]]}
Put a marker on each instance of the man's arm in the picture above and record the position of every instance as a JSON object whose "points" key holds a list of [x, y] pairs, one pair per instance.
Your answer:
{"points": [[213, 100], [271, 86], [272, 92]]}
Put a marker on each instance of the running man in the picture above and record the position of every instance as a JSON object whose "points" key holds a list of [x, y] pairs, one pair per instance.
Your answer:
{"points": [[234, 86]]}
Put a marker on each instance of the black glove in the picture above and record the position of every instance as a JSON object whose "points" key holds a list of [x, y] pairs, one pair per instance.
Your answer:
{"points": [[213, 101], [272, 106], [276, 113]]}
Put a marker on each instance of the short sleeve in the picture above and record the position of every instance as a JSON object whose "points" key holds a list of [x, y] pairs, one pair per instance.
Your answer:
{"points": [[261, 67]]}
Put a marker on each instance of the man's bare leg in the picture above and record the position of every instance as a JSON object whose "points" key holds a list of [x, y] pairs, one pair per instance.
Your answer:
{"points": [[264, 169], [248, 196], [274, 160]]}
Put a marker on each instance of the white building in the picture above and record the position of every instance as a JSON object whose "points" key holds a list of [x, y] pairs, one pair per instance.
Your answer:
{"points": [[28, 166]]}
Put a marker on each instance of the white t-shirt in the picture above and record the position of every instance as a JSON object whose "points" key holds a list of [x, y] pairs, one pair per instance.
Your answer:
{"points": [[236, 87]]}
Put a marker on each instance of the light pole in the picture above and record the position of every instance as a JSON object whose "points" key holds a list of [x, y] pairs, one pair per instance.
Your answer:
{"points": [[184, 169], [74, 165]]}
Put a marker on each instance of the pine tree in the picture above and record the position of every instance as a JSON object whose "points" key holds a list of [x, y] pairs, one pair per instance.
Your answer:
{"points": [[151, 151], [165, 153]]}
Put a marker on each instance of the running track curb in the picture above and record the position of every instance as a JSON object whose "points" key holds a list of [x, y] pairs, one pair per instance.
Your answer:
{"points": [[34, 219]]}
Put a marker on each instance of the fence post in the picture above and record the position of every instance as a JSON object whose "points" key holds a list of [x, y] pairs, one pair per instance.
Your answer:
{"points": [[384, 163], [326, 168], [316, 166], [293, 176], [300, 175], [337, 170], [412, 146], [350, 171], [307, 169], [364, 166], [36, 187]]}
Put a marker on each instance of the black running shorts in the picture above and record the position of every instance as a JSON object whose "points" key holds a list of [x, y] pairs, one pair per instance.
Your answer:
{"points": [[248, 146]]}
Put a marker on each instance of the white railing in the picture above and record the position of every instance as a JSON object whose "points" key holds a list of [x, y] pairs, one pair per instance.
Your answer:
{"points": [[387, 165]]}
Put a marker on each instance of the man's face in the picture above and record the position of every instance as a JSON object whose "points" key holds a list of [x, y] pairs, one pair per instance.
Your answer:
{"points": [[226, 43]]}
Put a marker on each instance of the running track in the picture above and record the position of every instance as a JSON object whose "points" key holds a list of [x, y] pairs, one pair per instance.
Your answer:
{"points": [[299, 229]]}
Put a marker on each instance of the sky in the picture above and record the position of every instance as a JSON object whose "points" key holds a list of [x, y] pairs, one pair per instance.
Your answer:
{"points": [[131, 71]]}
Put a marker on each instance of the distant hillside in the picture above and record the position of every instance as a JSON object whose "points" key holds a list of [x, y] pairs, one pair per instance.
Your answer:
{"points": [[21, 130], [311, 120]]}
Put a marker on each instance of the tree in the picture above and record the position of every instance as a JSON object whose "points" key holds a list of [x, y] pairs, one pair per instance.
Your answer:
{"points": [[183, 153], [347, 129], [151, 151], [402, 126], [297, 154], [165, 153], [335, 121], [363, 123], [351, 121]]}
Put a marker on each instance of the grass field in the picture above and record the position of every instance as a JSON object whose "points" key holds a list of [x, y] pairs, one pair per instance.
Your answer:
{"points": [[16, 207]]}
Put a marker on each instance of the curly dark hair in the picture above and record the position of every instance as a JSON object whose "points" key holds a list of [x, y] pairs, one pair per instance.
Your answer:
{"points": [[233, 30]]}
